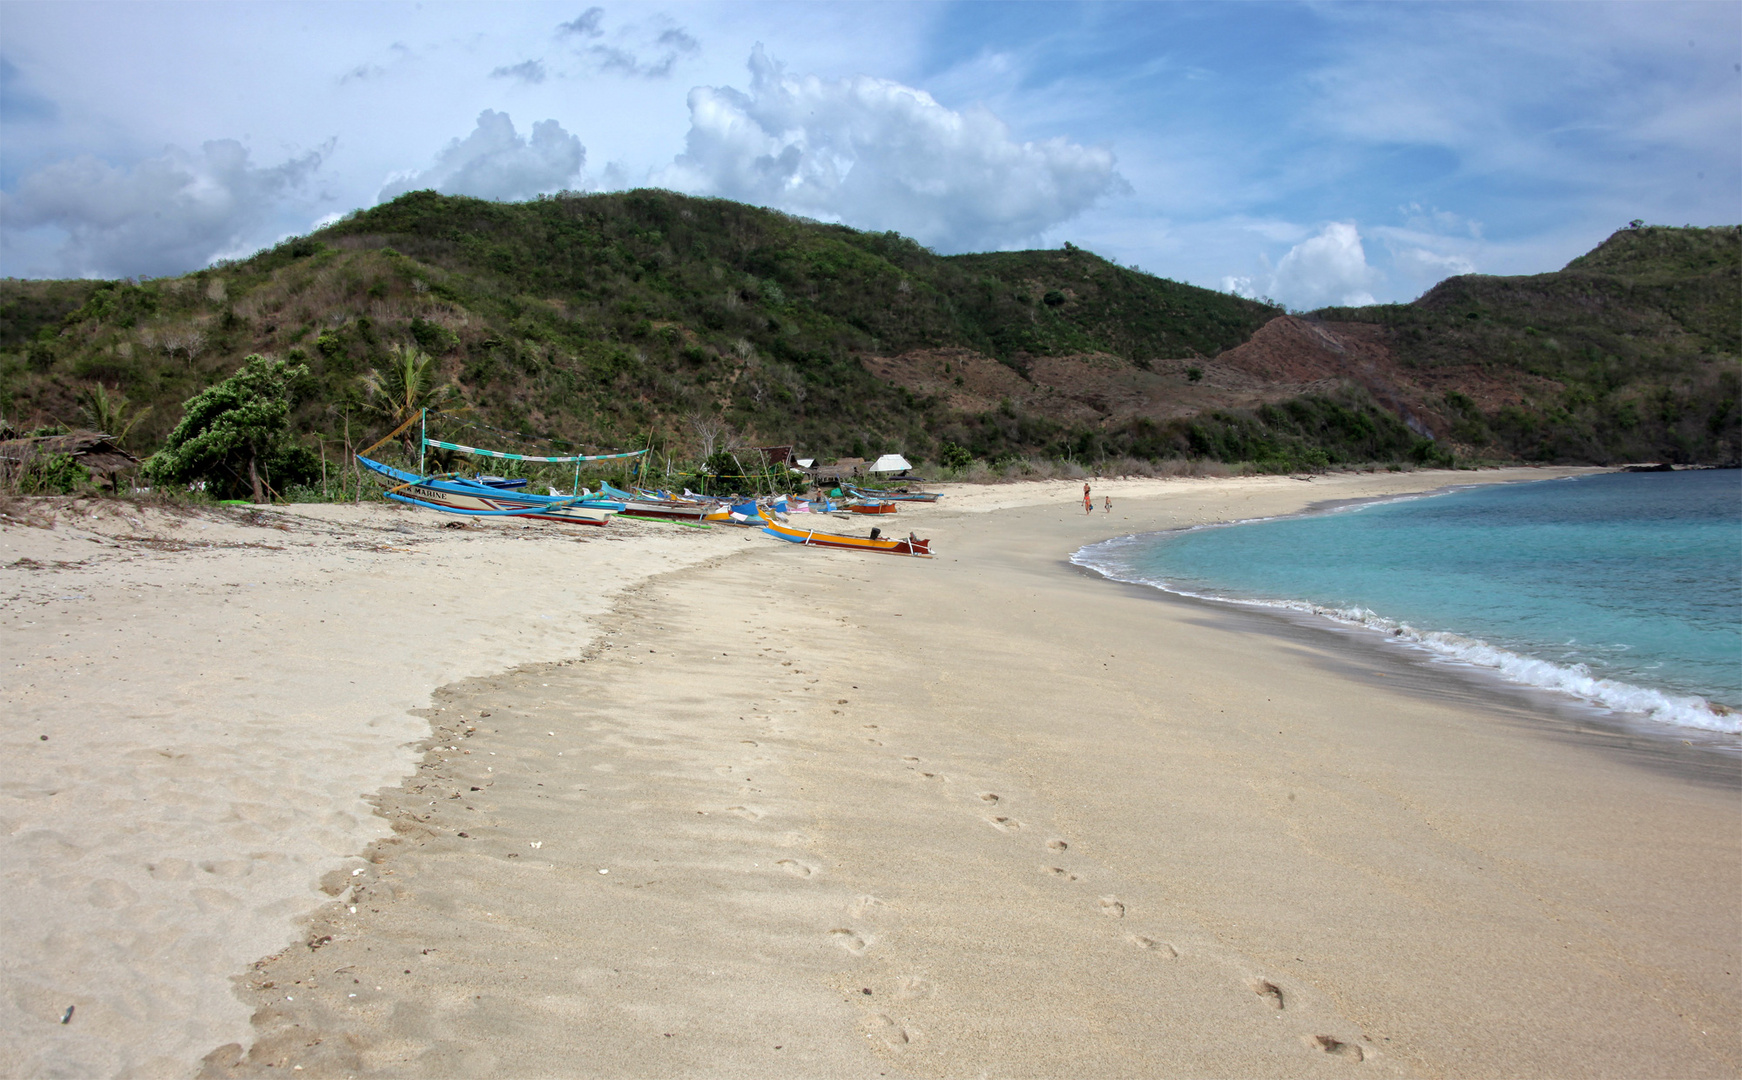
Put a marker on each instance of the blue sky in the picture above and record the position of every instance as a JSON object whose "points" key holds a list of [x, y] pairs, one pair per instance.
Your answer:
{"points": [[1314, 153]]}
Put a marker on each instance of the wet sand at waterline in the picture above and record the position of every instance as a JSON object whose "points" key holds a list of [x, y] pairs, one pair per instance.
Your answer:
{"points": [[751, 810]]}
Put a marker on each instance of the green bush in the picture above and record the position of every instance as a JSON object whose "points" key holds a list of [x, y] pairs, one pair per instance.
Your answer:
{"points": [[434, 338], [236, 431], [53, 474]]}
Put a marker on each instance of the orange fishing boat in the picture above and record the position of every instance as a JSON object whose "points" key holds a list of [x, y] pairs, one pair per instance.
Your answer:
{"points": [[911, 545]]}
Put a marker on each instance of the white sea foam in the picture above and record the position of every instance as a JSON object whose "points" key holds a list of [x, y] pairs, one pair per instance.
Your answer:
{"points": [[1573, 680]]}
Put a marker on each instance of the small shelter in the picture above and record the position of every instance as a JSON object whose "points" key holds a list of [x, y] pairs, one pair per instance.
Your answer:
{"points": [[94, 450], [890, 463], [842, 469]]}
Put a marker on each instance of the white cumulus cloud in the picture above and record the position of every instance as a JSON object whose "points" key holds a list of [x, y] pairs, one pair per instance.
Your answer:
{"points": [[880, 155], [167, 214], [1327, 269], [1330, 268], [496, 162]]}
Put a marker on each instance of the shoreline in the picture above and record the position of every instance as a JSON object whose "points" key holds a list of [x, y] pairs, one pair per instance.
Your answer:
{"points": [[1710, 757], [773, 852], [1565, 703], [842, 816]]}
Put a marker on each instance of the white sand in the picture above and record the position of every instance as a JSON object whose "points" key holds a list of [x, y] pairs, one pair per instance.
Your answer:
{"points": [[1216, 852], [220, 701]]}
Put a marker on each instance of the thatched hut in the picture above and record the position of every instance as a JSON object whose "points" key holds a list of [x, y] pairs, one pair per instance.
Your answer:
{"points": [[842, 469], [94, 450]]}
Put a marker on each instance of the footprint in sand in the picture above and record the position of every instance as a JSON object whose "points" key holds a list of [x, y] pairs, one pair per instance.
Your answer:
{"points": [[746, 812], [1004, 824], [867, 906], [1269, 991], [795, 868], [987, 796], [1061, 873], [913, 987], [851, 940], [1161, 948], [1056, 845], [1112, 908], [885, 1030], [1330, 1044]]}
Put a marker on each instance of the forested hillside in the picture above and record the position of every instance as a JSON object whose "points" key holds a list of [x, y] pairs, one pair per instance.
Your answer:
{"points": [[614, 320], [1630, 353]]}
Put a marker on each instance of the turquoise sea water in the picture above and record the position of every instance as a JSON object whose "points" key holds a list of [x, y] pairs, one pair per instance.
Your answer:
{"points": [[1622, 590]]}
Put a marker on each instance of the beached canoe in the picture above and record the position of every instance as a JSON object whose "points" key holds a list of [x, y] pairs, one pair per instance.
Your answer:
{"points": [[899, 496], [472, 498], [872, 508], [668, 509], [910, 545]]}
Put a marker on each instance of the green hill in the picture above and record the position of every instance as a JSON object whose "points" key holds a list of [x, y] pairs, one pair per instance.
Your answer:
{"points": [[599, 319], [1629, 353], [611, 320]]}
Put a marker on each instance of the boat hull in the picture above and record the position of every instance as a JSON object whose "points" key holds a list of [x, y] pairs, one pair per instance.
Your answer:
{"points": [[900, 496], [667, 509], [480, 500], [911, 545]]}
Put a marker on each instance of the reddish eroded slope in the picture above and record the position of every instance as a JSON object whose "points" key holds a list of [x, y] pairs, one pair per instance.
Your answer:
{"points": [[1286, 358], [1291, 351]]}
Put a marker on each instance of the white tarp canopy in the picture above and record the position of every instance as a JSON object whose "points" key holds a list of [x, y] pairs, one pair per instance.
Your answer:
{"points": [[890, 463]]}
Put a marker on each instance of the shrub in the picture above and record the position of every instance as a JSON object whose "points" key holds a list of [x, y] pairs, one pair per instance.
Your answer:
{"points": [[53, 474], [235, 436], [434, 338]]}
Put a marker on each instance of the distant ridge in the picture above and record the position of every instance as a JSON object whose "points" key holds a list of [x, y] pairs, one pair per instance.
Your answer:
{"points": [[607, 319]]}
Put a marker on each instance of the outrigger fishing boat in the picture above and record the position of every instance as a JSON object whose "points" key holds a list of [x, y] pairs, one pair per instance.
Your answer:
{"points": [[898, 496], [492, 496], [911, 545], [643, 504], [872, 507], [478, 498]]}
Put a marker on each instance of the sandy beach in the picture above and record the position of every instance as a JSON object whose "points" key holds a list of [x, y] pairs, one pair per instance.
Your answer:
{"points": [[652, 801]]}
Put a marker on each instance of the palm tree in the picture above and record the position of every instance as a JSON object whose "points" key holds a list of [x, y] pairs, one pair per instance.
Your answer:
{"points": [[107, 412], [405, 386]]}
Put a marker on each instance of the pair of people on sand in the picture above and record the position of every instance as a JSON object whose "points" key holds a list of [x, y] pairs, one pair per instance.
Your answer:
{"points": [[1089, 502]]}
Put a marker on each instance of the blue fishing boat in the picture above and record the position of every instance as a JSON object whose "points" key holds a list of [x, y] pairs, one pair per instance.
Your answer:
{"points": [[452, 494]]}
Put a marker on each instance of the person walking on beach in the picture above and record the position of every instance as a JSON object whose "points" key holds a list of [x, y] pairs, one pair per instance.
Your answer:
{"points": [[1088, 501], [1107, 507]]}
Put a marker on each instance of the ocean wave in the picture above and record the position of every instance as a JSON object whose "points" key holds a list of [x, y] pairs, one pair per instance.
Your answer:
{"points": [[1574, 680]]}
